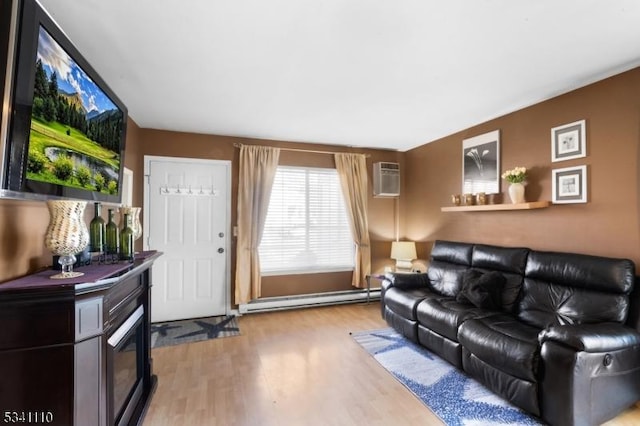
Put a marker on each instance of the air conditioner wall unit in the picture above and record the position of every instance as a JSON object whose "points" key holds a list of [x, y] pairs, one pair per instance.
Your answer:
{"points": [[386, 179]]}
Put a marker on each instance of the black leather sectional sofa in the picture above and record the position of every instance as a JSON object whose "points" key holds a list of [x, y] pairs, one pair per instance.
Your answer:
{"points": [[554, 333]]}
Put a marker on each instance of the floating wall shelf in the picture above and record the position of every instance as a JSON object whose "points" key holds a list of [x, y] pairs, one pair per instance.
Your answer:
{"points": [[497, 207]]}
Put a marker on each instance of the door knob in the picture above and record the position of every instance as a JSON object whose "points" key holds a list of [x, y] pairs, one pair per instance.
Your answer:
{"points": [[220, 250]]}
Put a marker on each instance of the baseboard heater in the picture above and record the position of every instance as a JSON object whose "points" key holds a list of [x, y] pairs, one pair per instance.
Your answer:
{"points": [[267, 304]]}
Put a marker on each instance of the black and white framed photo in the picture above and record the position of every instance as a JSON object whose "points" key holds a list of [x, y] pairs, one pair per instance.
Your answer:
{"points": [[481, 164], [569, 185], [569, 141]]}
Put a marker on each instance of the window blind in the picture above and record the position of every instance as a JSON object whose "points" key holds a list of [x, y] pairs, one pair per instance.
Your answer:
{"points": [[307, 228]]}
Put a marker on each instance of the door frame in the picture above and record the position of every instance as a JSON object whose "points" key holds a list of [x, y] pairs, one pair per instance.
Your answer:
{"points": [[227, 226]]}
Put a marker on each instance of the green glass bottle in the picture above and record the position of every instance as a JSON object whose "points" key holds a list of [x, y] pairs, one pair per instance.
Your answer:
{"points": [[126, 240], [97, 231], [112, 237]]}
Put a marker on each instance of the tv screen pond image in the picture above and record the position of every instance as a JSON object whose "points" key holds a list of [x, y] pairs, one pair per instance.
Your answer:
{"points": [[75, 132]]}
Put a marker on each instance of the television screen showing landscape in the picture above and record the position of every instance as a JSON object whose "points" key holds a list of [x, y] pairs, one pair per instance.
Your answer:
{"points": [[76, 130]]}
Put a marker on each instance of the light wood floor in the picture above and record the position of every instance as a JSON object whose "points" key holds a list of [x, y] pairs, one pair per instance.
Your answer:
{"points": [[296, 367]]}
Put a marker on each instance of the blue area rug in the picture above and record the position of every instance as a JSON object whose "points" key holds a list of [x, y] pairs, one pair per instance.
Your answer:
{"points": [[447, 391], [193, 330]]}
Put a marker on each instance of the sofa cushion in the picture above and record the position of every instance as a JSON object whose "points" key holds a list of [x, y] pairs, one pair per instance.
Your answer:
{"points": [[482, 289], [404, 302], [504, 343], [444, 315], [452, 252], [505, 259], [583, 271], [511, 262], [449, 260], [544, 304], [568, 288], [446, 278]]}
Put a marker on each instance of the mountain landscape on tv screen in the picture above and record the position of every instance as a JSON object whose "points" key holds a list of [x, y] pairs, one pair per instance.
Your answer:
{"points": [[76, 130]]}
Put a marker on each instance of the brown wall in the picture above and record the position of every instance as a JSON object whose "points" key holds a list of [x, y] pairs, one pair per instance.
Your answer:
{"points": [[22, 228], [606, 225], [381, 210], [133, 160]]}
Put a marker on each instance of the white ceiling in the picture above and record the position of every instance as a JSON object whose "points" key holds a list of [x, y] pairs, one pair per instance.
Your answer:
{"points": [[370, 73]]}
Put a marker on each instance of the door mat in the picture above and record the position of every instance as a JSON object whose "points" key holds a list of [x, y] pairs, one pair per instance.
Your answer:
{"points": [[193, 330]]}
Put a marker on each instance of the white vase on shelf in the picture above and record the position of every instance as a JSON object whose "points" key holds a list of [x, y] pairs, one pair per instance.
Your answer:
{"points": [[516, 193]]}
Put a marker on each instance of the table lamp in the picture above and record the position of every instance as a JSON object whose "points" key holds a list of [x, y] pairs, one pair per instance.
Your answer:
{"points": [[403, 252]]}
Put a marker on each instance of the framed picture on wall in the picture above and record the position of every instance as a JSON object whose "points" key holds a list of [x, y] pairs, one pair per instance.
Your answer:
{"points": [[569, 185], [481, 164], [569, 141]]}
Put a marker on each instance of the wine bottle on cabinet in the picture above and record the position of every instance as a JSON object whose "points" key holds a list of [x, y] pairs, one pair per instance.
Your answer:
{"points": [[126, 240], [112, 239], [97, 231]]}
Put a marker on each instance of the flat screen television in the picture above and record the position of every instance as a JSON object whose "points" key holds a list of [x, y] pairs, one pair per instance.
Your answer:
{"points": [[65, 129]]}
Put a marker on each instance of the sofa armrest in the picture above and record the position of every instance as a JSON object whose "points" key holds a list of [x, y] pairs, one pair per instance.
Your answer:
{"points": [[603, 337], [587, 388], [407, 281]]}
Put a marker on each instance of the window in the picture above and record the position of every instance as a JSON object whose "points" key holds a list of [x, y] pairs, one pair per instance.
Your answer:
{"points": [[307, 228]]}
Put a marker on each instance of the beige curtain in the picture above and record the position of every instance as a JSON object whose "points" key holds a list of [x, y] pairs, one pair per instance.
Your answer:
{"points": [[352, 169], [258, 166]]}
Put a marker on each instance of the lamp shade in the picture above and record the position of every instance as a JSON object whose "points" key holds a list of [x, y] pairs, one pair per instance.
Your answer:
{"points": [[403, 250]]}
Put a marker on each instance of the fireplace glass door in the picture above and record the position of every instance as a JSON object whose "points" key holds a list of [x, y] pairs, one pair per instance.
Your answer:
{"points": [[126, 347]]}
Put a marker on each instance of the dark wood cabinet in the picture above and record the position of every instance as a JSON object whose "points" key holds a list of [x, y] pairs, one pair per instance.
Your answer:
{"points": [[77, 352]]}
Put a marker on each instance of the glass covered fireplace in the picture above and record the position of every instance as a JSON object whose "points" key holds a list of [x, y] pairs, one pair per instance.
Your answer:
{"points": [[126, 350]]}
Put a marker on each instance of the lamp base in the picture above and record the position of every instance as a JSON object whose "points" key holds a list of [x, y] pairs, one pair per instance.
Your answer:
{"points": [[403, 266]]}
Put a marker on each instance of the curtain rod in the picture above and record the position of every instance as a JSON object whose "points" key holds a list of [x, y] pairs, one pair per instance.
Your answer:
{"points": [[313, 151]]}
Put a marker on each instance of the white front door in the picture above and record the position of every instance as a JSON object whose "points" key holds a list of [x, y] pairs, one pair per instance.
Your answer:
{"points": [[186, 216]]}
